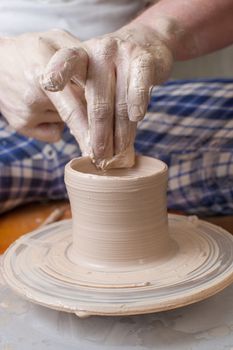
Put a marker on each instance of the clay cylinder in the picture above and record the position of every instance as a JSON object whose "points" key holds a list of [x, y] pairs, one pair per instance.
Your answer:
{"points": [[120, 215]]}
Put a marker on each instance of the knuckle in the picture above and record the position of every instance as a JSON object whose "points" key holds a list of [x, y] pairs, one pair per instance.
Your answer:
{"points": [[106, 41], [99, 111], [122, 111], [137, 90], [146, 60], [75, 51], [142, 90], [106, 47], [82, 54]]}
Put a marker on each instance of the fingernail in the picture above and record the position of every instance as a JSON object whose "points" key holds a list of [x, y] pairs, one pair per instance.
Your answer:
{"points": [[52, 81], [136, 113]]}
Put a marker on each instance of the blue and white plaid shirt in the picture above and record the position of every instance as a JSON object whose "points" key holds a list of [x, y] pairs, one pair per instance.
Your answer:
{"points": [[189, 125]]}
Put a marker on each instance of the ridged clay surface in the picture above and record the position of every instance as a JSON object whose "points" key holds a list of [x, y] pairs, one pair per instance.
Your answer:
{"points": [[38, 267], [122, 254]]}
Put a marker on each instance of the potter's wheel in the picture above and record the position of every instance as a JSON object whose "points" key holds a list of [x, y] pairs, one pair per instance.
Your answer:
{"points": [[38, 267]]}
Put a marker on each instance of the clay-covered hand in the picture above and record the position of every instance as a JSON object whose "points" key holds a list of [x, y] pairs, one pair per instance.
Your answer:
{"points": [[29, 108], [122, 68]]}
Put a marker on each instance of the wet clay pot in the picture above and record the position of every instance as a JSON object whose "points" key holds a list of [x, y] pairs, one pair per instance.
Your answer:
{"points": [[119, 216], [120, 254]]}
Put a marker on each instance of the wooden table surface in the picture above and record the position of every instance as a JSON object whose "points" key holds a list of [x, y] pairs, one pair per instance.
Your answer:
{"points": [[24, 219]]}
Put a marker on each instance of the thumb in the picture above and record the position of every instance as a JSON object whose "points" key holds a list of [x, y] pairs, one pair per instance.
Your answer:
{"points": [[65, 65]]}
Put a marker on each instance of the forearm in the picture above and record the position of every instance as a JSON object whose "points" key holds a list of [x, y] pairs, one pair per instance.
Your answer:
{"points": [[191, 27]]}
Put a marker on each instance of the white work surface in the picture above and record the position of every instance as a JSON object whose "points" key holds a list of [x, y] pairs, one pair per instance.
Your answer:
{"points": [[207, 325]]}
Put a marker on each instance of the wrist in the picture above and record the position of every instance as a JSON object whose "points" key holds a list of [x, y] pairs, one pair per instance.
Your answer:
{"points": [[171, 33], [162, 29]]}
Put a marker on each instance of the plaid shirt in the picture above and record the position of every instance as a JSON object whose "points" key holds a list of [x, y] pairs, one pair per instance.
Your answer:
{"points": [[189, 125]]}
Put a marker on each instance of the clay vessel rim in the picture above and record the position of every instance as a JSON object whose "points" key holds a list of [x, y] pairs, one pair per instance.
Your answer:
{"points": [[69, 168]]}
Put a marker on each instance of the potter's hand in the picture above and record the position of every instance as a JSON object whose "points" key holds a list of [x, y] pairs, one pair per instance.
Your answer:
{"points": [[122, 68], [26, 105]]}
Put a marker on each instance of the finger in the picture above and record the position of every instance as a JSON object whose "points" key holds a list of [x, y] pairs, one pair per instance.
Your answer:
{"points": [[124, 128], [72, 110], [65, 64], [46, 132], [99, 92], [141, 79], [124, 159]]}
